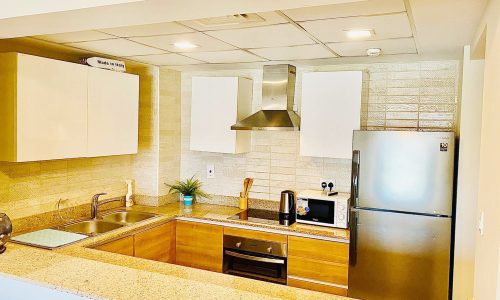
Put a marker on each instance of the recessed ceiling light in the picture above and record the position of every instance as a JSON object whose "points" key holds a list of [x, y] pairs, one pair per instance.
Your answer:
{"points": [[373, 52], [185, 45], [359, 33]]}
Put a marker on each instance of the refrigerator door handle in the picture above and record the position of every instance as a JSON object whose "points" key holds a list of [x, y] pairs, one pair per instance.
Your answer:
{"points": [[355, 177], [353, 240]]}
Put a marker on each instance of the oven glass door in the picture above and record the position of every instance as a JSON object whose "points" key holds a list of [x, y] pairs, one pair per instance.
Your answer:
{"points": [[255, 266], [316, 211]]}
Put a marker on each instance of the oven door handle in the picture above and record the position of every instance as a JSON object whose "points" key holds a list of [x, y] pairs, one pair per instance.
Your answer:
{"points": [[255, 258]]}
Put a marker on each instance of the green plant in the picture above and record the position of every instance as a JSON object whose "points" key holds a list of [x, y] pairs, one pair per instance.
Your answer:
{"points": [[189, 187]]}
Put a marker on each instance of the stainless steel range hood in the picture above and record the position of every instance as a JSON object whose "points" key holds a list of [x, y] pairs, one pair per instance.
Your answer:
{"points": [[278, 90]]}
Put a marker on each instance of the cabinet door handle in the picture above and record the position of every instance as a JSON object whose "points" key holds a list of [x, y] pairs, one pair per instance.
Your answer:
{"points": [[355, 177], [353, 243]]}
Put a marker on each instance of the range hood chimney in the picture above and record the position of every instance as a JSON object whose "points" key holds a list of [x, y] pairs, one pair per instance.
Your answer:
{"points": [[278, 90]]}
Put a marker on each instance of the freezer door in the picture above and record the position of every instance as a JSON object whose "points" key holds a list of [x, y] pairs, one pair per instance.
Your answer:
{"points": [[399, 256], [404, 171]]}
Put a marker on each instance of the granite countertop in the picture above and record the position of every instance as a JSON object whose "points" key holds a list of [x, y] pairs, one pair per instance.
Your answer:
{"points": [[96, 274]]}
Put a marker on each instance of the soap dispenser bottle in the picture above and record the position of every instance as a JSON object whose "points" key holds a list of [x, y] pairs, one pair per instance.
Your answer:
{"points": [[128, 198]]}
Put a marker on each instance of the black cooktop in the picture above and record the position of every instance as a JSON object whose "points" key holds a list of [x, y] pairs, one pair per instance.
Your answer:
{"points": [[261, 216]]}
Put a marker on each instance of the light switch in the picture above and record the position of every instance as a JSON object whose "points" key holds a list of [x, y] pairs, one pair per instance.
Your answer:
{"points": [[210, 171], [481, 223]]}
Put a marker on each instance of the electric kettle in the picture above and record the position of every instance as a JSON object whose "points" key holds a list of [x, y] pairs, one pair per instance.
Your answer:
{"points": [[287, 207]]}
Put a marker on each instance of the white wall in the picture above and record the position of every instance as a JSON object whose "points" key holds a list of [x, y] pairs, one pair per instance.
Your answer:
{"points": [[487, 245], [468, 171]]}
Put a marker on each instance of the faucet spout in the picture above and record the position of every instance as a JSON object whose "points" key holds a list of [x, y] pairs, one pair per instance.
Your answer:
{"points": [[95, 205]]}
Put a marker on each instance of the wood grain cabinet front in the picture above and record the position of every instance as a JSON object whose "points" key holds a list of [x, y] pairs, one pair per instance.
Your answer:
{"points": [[123, 246], [318, 265], [157, 243], [199, 245]]}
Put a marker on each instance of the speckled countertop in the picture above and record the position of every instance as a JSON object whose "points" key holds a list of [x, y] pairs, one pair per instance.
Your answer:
{"points": [[101, 275]]}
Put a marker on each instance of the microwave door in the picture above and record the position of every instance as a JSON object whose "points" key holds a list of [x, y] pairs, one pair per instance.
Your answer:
{"points": [[317, 211]]}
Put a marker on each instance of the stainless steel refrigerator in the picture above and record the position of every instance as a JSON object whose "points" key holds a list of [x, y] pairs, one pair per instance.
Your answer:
{"points": [[401, 215]]}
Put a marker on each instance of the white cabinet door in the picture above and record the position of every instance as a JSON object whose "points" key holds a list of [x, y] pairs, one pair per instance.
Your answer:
{"points": [[215, 106], [330, 111], [113, 113], [51, 109]]}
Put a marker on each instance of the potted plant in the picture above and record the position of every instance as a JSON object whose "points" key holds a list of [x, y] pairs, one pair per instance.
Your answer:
{"points": [[188, 190]]}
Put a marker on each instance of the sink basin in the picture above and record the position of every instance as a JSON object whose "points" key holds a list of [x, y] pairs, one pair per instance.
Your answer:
{"points": [[91, 227], [127, 217]]}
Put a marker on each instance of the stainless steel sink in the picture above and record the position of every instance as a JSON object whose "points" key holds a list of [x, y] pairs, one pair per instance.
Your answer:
{"points": [[91, 227], [127, 217]]}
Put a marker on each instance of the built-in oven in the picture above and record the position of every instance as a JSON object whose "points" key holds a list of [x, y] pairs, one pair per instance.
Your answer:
{"points": [[256, 259]]}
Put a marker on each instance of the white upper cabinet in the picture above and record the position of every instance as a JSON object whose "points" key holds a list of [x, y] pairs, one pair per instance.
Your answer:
{"points": [[113, 106], [217, 103], [43, 108], [52, 109], [330, 111]]}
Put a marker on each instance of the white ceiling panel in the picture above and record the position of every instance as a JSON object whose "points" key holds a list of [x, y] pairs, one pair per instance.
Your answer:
{"points": [[263, 37], [362, 8], [294, 52], [203, 41], [148, 30], [234, 56], [445, 26], [117, 47], [385, 27], [11, 9], [268, 18], [166, 59], [79, 36], [393, 46]]}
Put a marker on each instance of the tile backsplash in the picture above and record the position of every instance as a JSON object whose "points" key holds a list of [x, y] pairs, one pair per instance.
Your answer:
{"points": [[402, 96], [36, 187], [409, 96]]}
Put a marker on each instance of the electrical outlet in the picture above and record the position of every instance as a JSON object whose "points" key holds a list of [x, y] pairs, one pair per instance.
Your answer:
{"points": [[328, 183], [210, 171]]}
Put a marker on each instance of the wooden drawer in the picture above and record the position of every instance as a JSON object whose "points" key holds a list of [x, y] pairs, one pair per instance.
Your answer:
{"points": [[254, 234], [318, 270], [324, 288], [199, 245], [157, 243], [318, 249], [123, 246]]}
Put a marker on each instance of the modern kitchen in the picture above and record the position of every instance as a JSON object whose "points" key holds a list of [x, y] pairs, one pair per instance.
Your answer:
{"points": [[288, 149]]}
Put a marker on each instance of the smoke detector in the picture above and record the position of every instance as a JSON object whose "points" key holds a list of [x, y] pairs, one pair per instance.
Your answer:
{"points": [[374, 52], [230, 20]]}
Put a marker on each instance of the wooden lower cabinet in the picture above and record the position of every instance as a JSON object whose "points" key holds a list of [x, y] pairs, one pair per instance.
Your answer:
{"points": [[312, 264], [123, 246], [199, 245], [318, 270], [157, 243], [320, 287], [318, 265]]}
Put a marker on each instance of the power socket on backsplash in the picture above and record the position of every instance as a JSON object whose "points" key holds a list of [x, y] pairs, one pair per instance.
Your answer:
{"points": [[328, 183]]}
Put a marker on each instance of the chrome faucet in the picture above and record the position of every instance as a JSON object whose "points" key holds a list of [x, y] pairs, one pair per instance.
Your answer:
{"points": [[96, 204]]}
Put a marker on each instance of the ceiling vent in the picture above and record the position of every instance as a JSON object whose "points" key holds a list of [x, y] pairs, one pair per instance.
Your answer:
{"points": [[229, 20]]}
